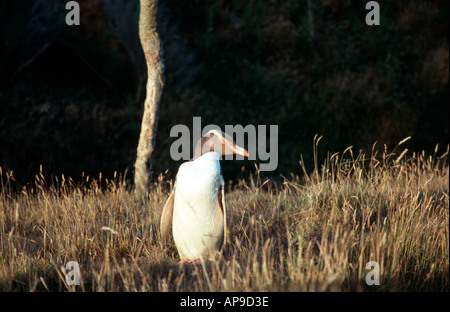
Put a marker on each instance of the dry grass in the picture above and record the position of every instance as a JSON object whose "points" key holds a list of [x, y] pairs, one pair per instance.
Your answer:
{"points": [[315, 235]]}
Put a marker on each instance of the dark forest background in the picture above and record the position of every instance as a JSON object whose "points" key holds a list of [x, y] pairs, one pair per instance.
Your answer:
{"points": [[71, 97]]}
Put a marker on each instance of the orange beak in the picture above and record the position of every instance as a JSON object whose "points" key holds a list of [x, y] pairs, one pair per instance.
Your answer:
{"points": [[233, 147], [240, 150]]}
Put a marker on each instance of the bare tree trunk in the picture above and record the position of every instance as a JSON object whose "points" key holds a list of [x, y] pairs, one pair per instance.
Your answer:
{"points": [[155, 81]]}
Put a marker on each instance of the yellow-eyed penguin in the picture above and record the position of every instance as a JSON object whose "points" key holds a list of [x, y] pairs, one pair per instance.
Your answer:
{"points": [[196, 207]]}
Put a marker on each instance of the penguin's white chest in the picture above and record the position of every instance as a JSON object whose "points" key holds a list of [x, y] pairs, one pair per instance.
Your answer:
{"points": [[198, 224]]}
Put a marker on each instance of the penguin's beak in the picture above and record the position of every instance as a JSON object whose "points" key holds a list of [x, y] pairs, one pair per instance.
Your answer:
{"points": [[235, 149]]}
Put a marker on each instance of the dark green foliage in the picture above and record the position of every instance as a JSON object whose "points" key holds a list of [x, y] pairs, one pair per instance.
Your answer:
{"points": [[235, 62]]}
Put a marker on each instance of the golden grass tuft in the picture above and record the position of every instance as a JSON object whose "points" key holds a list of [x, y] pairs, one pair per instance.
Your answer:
{"points": [[316, 234]]}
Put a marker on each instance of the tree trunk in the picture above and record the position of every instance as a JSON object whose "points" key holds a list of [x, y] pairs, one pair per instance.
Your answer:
{"points": [[155, 81]]}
